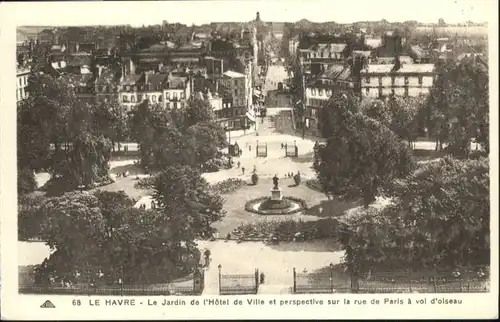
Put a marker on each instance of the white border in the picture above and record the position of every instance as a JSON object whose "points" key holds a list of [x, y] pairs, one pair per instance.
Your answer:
{"points": [[16, 306]]}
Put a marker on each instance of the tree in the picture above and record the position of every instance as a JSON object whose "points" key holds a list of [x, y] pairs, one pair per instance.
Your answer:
{"points": [[198, 111], [26, 181], [360, 157], [99, 238], [405, 117], [430, 224], [336, 112], [207, 140], [187, 203], [83, 164], [458, 106]]}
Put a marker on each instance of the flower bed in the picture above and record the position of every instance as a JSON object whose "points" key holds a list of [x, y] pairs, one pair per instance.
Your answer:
{"points": [[228, 185], [250, 206], [285, 230]]}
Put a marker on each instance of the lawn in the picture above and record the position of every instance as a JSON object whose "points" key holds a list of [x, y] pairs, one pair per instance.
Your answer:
{"points": [[235, 204]]}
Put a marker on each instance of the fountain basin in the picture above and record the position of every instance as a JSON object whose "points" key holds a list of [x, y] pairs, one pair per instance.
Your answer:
{"points": [[268, 206]]}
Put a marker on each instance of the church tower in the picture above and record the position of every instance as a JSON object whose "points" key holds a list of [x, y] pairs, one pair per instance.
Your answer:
{"points": [[257, 18]]}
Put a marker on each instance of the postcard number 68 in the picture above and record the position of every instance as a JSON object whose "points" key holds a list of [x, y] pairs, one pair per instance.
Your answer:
{"points": [[77, 303]]}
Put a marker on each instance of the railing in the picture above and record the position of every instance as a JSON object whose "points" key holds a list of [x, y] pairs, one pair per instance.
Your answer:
{"points": [[340, 282], [238, 284]]}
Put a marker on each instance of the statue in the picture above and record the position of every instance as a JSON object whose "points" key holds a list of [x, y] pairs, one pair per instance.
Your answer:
{"points": [[275, 182]]}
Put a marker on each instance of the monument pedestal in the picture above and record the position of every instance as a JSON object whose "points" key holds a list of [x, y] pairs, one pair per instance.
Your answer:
{"points": [[276, 194]]}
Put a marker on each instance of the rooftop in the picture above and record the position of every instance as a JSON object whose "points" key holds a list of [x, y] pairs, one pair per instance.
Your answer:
{"points": [[328, 47], [131, 79], [405, 69], [233, 74], [156, 80], [176, 82]]}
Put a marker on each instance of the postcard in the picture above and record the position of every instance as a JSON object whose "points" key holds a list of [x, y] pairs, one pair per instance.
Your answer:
{"points": [[249, 159]]}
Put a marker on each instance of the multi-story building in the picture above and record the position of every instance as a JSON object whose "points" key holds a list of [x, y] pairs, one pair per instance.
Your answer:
{"points": [[237, 83], [107, 87], [177, 90], [129, 90], [293, 45], [396, 79], [23, 72], [319, 90], [320, 56]]}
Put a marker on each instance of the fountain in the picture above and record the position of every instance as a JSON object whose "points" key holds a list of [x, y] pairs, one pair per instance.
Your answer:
{"points": [[276, 204]]}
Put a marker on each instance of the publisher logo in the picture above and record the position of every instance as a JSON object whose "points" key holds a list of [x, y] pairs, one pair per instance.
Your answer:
{"points": [[47, 305]]}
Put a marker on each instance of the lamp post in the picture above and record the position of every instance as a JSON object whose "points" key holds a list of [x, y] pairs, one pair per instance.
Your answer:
{"points": [[331, 276], [229, 142], [220, 277]]}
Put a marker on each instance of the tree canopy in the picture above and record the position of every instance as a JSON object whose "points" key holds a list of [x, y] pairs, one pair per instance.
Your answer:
{"points": [[361, 154], [439, 218]]}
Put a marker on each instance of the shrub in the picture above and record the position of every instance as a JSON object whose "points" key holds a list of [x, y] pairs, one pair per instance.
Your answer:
{"points": [[145, 183], [255, 178], [285, 230], [228, 185], [296, 178]]}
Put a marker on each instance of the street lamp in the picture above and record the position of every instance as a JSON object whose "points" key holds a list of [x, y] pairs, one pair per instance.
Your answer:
{"points": [[331, 276], [220, 276]]}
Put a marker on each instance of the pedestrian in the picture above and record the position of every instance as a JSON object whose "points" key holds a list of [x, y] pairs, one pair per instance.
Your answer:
{"points": [[243, 170], [249, 148], [238, 164], [282, 145]]}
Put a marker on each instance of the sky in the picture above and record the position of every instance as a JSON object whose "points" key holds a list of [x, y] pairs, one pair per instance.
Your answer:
{"points": [[137, 13]]}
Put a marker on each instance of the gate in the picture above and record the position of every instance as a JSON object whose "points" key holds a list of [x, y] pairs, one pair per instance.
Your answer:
{"points": [[323, 282], [261, 150], [291, 150], [238, 284]]}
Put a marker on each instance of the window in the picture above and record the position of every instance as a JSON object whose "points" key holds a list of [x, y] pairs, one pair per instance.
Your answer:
{"points": [[367, 91], [407, 81], [183, 95], [153, 98], [419, 80], [127, 88], [368, 79], [380, 81], [167, 95], [139, 97], [175, 95], [20, 82], [175, 105], [320, 92], [132, 99], [182, 105], [160, 98], [125, 98], [393, 80], [406, 91], [393, 92]]}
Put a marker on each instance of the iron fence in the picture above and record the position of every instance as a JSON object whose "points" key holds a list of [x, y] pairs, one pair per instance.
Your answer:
{"points": [[387, 282], [238, 284]]}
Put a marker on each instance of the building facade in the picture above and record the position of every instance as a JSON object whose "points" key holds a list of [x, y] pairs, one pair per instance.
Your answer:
{"points": [[408, 80], [22, 82]]}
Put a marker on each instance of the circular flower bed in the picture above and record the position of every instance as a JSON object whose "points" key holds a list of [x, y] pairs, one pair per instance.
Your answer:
{"points": [[266, 206]]}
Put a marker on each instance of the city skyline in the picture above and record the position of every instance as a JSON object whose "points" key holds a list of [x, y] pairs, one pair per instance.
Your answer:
{"points": [[185, 12]]}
